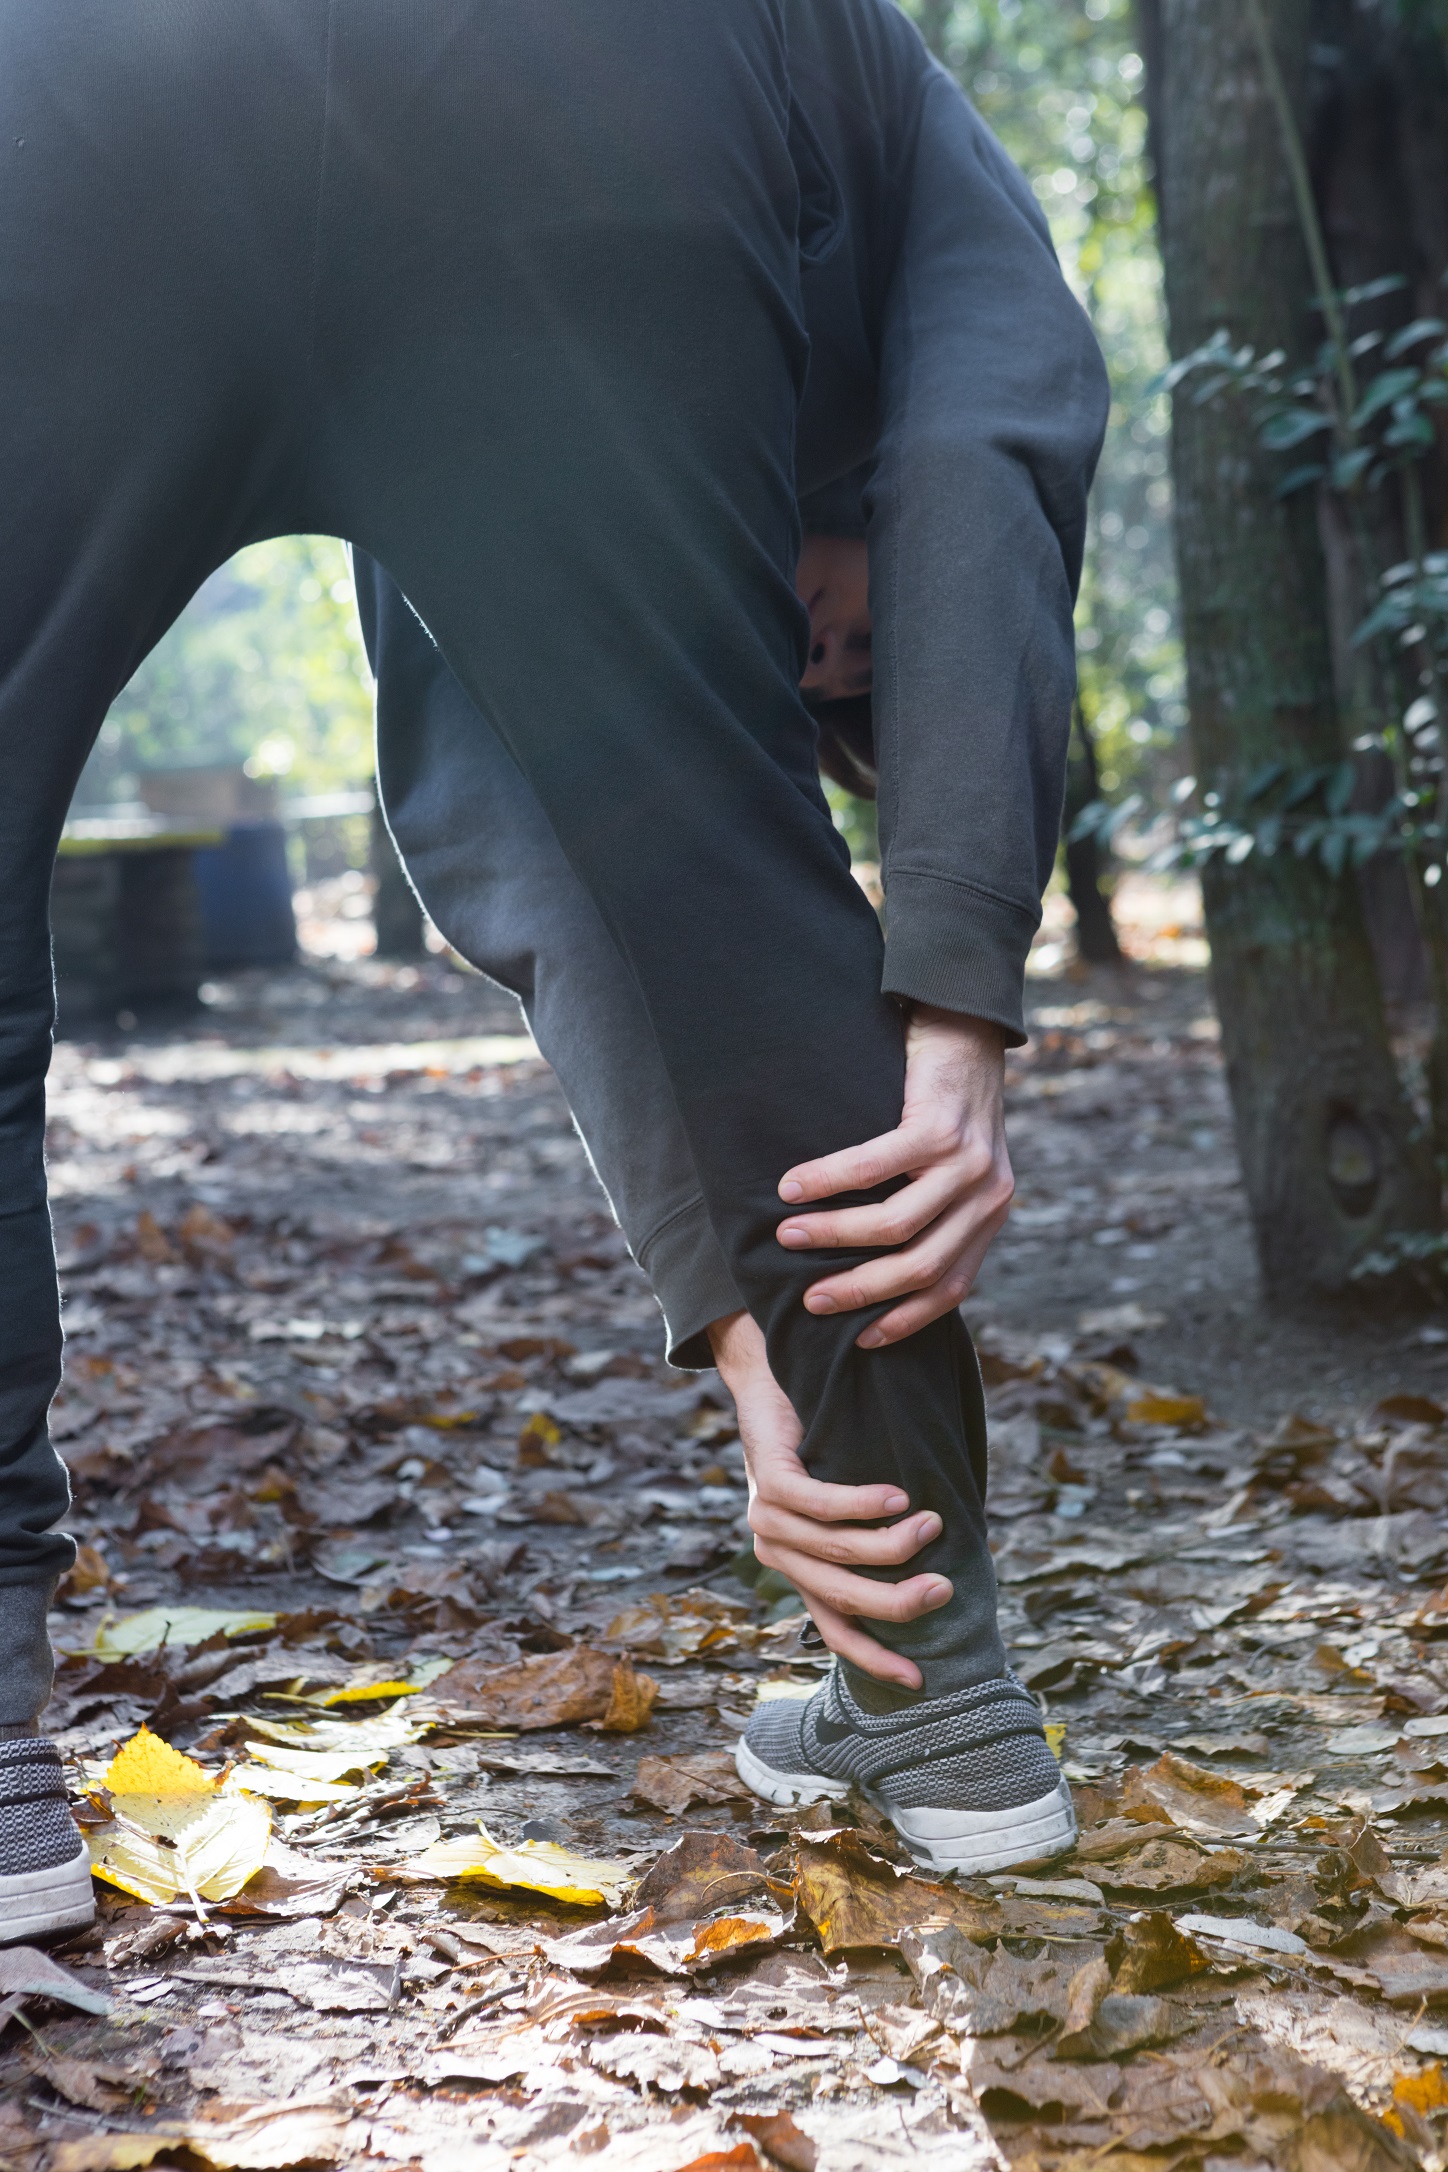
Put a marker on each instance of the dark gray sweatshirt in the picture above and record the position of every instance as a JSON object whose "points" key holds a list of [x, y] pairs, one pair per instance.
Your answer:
{"points": [[951, 363], [947, 350]]}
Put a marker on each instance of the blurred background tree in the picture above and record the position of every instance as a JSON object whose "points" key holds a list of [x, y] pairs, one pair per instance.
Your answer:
{"points": [[265, 666]]}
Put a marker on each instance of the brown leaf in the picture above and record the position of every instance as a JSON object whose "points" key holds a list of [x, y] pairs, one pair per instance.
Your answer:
{"points": [[1165, 1866], [1345, 2138], [1003, 2084], [1125, 2022], [1190, 1795], [1084, 1993], [674, 1783], [1117, 1836], [630, 1701], [1410, 1410], [676, 1948], [90, 1572], [856, 1897], [83, 2081], [992, 1994], [202, 1231], [699, 1873], [781, 2139], [254, 2138], [152, 1242], [1159, 1406], [556, 1506], [549, 1689], [537, 1441], [1149, 1953], [1408, 1973], [680, 1624]]}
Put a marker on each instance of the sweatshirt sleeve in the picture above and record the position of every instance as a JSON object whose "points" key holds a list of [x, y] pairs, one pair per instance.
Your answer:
{"points": [[993, 404]]}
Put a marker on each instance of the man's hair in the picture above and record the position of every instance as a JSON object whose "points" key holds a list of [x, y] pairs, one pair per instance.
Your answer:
{"points": [[847, 743]]}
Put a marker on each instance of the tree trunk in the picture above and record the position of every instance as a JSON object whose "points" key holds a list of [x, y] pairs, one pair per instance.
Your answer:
{"points": [[1328, 1147], [1096, 942]]}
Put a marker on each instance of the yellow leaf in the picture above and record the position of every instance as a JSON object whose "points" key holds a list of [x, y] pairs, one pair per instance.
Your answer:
{"points": [[368, 1692], [161, 1848], [148, 1766], [1158, 1408], [290, 1786], [1055, 1731], [384, 1731], [316, 1764], [1426, 2091], [173, 1625], [534, 1866]]}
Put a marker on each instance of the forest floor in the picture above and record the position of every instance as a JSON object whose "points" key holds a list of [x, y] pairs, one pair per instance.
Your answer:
{"points": [[399, 1529]]}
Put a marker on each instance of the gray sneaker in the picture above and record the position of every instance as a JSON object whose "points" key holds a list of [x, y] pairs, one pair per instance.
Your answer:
{"points": [[45, 1877], [968, 1781]]}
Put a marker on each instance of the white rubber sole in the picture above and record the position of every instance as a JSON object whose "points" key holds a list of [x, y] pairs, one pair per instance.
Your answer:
{"points": [[35, 1903], [963, 1840]]}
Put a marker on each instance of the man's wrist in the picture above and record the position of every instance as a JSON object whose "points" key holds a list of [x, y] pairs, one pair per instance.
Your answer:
{"points": [[730, 1341], [985, 1032]]}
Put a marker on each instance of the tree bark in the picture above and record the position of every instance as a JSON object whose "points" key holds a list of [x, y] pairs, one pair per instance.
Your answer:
{"points": [[1096, 942], [1329, 1151]]}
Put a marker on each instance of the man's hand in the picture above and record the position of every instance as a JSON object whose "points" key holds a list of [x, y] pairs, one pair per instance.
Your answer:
{"points": [[810, 1532], [951, 1142]]}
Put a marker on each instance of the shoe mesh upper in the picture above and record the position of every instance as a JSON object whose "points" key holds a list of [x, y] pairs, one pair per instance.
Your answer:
{"points": [[37, 1831], [982, 1748]]}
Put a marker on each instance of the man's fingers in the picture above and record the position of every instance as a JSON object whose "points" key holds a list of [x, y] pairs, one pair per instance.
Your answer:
{"points": [[845, 1543], [908, 1319], [850, 1594], [854, 1168], [887, 1221], [955, 1241], [929, 1304], [787, 1484], [843, 1637]]}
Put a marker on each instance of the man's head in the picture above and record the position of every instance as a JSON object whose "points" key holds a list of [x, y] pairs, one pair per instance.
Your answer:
{"points": [[833, 582]]}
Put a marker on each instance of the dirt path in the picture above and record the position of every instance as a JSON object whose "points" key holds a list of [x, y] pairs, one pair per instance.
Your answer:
{"points": [[360, 1376]]}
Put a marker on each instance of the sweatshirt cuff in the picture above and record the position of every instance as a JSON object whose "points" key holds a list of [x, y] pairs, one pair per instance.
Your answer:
{"points": [[686, 1265], [958, 948]]}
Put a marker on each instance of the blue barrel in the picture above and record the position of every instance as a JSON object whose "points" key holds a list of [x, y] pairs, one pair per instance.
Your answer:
{"points": [[245, 887]]}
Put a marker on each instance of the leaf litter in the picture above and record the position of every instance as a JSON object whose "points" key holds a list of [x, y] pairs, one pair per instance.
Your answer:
{"points": [[391, 1537]]}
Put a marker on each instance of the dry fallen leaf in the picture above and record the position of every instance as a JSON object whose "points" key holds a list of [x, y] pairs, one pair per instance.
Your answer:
{"points": [[173, 1831], [25, 1973], [533, 1866], [785, 2142], [551, 1689], [674, 1784], [256, 2138], [678, 1625], [1197, 1800], [857, 1897], [1166, 1866], [175, 1627], [1149, 1953]]}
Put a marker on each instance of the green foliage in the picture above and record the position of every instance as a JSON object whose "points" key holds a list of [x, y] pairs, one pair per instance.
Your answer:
{"points": [[1363, 436], [264, 666], [1061, 86]]}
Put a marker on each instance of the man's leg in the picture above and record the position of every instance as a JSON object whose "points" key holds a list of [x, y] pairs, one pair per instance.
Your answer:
{"points": [[487, 866], [159, 168]]}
